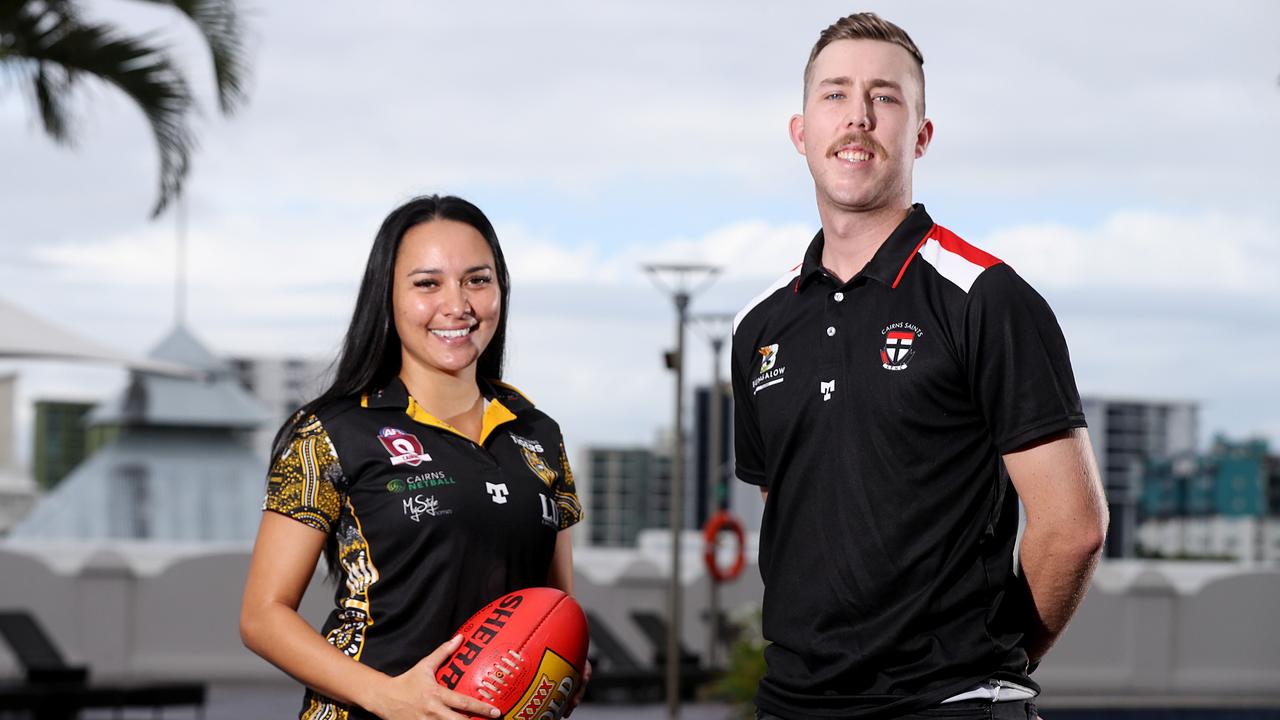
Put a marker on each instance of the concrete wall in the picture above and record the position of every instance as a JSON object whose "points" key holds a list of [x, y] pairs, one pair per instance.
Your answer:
{"points": [[1147, 633]]}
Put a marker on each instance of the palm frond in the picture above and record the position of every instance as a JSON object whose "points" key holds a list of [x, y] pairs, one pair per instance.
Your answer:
{"points": [[26, 27], [219, 23], [64, 49], [52, 88]]}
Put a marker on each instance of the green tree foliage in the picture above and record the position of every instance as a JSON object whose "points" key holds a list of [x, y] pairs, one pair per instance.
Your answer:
{"points": [[743, 670], [49, 48]]}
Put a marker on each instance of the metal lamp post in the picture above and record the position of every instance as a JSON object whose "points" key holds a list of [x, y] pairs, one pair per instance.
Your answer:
{"points": [[680, 280], [716, 327]]}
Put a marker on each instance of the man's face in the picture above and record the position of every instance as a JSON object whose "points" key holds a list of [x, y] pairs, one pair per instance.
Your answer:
{"points": [[861, 130]]}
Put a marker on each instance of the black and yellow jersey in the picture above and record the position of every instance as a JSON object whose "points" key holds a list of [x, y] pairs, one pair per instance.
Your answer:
{"points": [[429, 525]]}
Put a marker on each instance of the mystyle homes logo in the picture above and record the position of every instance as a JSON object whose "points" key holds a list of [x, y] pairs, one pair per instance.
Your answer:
{"points": [[415, 506], [769, 374]]}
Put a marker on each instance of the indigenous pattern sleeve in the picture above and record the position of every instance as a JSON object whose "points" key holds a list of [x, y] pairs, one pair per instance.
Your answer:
{"points": [[303, 482], [566, 493]]}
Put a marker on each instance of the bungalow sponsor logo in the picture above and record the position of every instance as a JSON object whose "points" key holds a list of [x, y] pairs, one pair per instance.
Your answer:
{"points": [[420, 482], [769, 374]]}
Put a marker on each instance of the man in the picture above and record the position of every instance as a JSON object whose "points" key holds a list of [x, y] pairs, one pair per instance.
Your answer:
{"points": [[896, 394]]}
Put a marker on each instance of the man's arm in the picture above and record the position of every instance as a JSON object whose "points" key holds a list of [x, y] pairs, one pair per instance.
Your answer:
{"points": [[1057, 480]]}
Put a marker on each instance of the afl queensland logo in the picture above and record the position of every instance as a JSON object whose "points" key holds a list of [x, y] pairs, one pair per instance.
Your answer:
{"points": [[405, 449], [899, 345]]}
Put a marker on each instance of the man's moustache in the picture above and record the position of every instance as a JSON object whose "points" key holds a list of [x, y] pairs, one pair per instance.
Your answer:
{"points": [[860, 139]]}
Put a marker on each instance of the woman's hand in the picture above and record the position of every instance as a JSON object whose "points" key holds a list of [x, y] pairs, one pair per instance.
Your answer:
{"points": [[582, 689], [415, 694]]}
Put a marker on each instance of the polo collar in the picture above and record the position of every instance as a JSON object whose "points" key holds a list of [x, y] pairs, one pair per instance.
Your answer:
{"points": [[889, 262], [396, 395]]}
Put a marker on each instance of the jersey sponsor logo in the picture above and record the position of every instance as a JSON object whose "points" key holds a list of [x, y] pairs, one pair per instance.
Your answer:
{"points": [[899, 345], [769, 375], [769, 357], [420, 482], [405, 449], [497, 492], [527, 444], [826, 387], [550, 512], [418, 505]]}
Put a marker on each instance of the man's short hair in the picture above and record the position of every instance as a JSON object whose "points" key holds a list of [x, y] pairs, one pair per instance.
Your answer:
{"points": [[866, 26]]}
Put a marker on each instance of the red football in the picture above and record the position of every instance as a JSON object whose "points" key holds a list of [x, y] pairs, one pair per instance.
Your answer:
{"points": [[523, 653]]}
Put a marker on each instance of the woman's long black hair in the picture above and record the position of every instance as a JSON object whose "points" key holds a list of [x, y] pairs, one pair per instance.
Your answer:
{"points": [[370, 355]]}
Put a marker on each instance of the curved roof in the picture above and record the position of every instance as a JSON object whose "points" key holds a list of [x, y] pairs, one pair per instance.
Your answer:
{"points": [[29, 336]]}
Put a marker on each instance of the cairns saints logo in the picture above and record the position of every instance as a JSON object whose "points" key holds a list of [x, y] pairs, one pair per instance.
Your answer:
{"points": [[899, 345]]}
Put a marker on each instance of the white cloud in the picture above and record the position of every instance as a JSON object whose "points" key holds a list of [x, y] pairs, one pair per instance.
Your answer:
{"points": [[1147, 250], [1134, 141], [353, 109], [751, 250]]}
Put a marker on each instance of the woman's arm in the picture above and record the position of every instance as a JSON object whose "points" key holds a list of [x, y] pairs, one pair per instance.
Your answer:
{"points": [[284, 559], [560, 576]]}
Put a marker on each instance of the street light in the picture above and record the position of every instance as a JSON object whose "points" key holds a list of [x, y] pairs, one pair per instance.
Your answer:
{"points": [[715, 327], [681, 281]]}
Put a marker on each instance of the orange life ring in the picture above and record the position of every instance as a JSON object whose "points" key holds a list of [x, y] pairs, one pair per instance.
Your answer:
{"points": [[723, 520]]}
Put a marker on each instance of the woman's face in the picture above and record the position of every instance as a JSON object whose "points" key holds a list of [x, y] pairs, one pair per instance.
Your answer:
{"points": [[445, 298]]}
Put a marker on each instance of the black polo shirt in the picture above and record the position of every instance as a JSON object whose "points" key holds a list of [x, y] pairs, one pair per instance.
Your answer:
{"points": [[875, 412], [429, 525]]}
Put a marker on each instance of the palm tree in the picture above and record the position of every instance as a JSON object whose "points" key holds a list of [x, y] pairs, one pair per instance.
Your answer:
{"points": [[49, 48]]}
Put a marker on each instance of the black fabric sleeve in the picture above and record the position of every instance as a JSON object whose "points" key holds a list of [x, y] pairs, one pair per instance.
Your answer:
{"points": [[748, 449], [1018, 363]]}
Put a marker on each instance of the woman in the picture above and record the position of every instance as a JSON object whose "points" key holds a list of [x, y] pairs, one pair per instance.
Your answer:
{"points": [[431, 487]]}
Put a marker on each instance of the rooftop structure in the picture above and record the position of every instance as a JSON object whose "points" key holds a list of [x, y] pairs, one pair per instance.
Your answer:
{"points": [[180, 466]]}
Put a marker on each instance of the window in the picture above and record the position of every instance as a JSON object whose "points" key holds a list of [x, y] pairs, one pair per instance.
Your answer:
{"points": [[131, 496]]}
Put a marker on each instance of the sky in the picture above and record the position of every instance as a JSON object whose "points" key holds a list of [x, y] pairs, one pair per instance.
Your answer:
{"points": [[1120, 156]]}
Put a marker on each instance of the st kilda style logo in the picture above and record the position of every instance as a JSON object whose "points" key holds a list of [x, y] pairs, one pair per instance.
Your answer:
{"points": [[405, 449], [899, 345]]}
